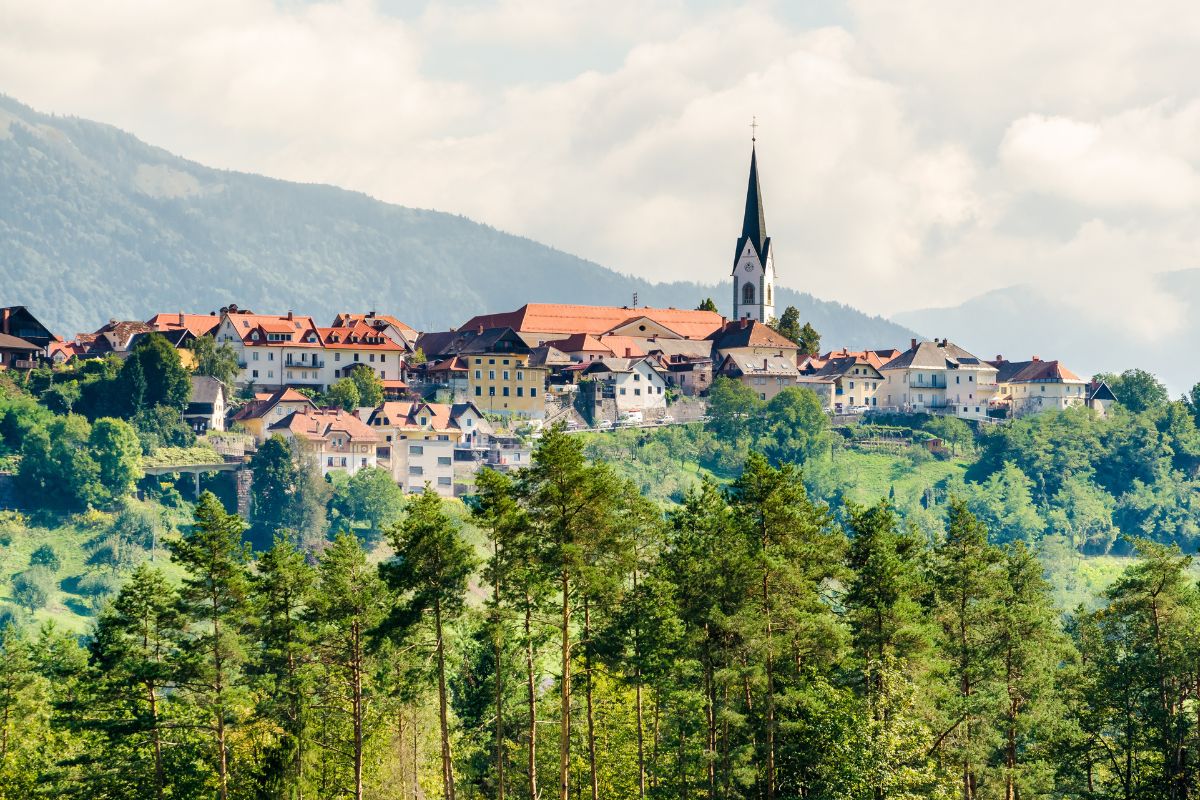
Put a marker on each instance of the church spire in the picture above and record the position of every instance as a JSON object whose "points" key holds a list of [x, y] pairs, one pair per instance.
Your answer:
{"points": [[754, 226]]}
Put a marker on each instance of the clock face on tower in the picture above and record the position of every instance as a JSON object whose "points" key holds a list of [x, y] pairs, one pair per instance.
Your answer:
{"points": [[749, 267]]}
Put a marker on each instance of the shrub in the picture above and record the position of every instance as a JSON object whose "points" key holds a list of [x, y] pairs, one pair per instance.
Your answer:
{"points": [[45, 556], [97, 584], [32, 587]]}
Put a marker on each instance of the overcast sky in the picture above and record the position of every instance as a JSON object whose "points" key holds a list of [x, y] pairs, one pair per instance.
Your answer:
{"points": [[913, 154]]}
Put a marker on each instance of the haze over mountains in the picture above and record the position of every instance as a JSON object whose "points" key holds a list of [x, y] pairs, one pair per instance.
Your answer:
{"points": [[95, 224], [1021, 321]]}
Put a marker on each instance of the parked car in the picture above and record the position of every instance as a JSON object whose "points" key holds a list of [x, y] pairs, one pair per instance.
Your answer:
{"points": [[666, 419]]}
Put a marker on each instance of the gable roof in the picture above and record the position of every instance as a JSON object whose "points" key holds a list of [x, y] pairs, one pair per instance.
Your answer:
{"points": [[557, 318], [16, 343], [750, 333], [198, 324], [406, 415], [739, 364], [1038, 371], [876, 358], [245, 324], [375, 320], [843, 365], [356, 336], [319, 424], [262, 404], [942, 354], [206, 389]]}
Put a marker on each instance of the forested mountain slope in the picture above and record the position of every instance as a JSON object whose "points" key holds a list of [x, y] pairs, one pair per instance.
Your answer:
{"points": [[95, 223]]}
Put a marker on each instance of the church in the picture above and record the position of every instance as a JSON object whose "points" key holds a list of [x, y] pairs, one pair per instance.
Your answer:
{"points": [[753, 265]]}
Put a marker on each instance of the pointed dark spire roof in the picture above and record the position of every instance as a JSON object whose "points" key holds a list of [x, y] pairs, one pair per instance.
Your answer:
{"points": [[754, 226]]}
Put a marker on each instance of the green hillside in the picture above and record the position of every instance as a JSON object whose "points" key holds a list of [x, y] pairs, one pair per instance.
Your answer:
{"points": [[96, 224]]}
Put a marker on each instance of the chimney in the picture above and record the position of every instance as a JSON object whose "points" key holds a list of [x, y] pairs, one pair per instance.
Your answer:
{"points": [[289, 315], [628, 352], [999, 357], [4, 313], [745, 322], [765, 362], [1035, 358], [914, 344], [481, 329], [181, 318]]}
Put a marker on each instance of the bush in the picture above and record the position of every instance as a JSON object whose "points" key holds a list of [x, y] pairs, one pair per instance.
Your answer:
{"points": [[45, 556], [32, 587], [97, 584]]}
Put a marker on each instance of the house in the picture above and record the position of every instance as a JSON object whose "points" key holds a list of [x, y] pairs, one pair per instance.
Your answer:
{"points": [[399, 332], [853, 382], [1029, 387], [876, 358], [938, 377], [331, 440], [691, 376], [19, 322], [267, 408], [634, 384], [1099, 397], [17, 353], [418, 441], [449, 374], [358, 344], [749, 337], [766, 375], [500, 376], [274, 351], [206, 409], [60, 352]]}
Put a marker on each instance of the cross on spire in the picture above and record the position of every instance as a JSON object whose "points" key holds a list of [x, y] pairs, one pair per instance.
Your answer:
{"points": [[753, 129]]}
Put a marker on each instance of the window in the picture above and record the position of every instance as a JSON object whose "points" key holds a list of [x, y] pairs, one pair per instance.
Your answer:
{"points": [[416, 450], [479, 361], [637, 392], [337, 356], [356, 357], [491, 361], [290, 375], [444, 461], [415, 470], [270, 356], [622, 391], [270, 373], [506, 391], [520, 391], [491, 374], [478, 374], [520, 375], [851, 384], [533, 392], [382, 357], [330, 462], [478, 391], [255, 373], [505, 361], [343, 461], [443, 481], [505, 374], [491, 391], [254, 356], [748, 293], [372, 358]]}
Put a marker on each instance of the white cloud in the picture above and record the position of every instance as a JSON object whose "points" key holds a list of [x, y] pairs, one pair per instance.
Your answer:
{"points": [[922, 154]]}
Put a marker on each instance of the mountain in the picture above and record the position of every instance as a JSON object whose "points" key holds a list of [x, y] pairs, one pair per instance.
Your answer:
{"points": [[96, 224], [1020, 321]]}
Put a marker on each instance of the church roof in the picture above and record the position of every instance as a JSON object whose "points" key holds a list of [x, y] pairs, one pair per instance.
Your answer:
{"points": [[754, 224]]}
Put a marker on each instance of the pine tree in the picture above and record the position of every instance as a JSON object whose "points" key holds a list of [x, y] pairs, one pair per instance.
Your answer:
{"points": [[430, 579], [967, 579], [214, 599], [136, 649], [348, 603], [283, 587]]}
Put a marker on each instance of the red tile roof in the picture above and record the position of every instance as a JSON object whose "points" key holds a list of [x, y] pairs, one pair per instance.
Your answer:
{"points": [[318, 424], [198, 324], [263, 402], [749, 333], [358, 336], [405, 415], [568, 319], [297, 326]]}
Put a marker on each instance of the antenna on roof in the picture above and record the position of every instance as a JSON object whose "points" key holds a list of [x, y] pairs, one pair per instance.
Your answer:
{"points": [[753, 129], [635, 299]]}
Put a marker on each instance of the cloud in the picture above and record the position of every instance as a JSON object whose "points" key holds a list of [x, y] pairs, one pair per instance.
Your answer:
{"points": [[913, 154]]}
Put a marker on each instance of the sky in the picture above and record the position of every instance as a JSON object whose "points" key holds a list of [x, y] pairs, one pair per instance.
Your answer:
{"points": [[912, 154]]}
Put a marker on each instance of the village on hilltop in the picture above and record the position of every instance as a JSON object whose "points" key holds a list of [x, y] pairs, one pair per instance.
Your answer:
{"points": [[453, 399]]}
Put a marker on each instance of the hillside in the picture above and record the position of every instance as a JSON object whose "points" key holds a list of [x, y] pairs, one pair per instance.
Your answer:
{"points": [[1019, 322], [95, 223]]}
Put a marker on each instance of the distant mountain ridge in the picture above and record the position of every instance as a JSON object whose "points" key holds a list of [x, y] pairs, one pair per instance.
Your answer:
{"points": [[96, 224]]}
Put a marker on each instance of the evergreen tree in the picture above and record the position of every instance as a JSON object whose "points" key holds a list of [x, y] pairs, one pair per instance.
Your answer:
{"points": [[810, 340], [349, 603], [707, 304], [283, 588], [430, 577], [214, 598], [219, 361]]}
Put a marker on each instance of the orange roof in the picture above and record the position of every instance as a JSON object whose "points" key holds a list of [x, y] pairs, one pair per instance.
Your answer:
{"points": [[298, 326], [318, 424], [876, 358], [623, 346], [359, 336], [407, 415], [346, 320], [263, 402], [568, 319], [198, 324], [581, 343]]}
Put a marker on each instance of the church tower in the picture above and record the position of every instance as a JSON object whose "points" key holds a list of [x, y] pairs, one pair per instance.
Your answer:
{"points": [[753, 265]]}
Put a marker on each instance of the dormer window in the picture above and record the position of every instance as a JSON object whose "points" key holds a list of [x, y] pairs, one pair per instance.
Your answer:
{"points": [[254, 335]]}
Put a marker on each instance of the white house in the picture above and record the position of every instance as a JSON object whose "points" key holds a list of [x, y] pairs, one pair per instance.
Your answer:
{"points": [[331, 440], [634, 383], [938, 377]]}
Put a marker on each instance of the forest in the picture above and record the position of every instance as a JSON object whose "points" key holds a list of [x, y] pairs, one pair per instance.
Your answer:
{"points": [[765, 606], [748, 643]]}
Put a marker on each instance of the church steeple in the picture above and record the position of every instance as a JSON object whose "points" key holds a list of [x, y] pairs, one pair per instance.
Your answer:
{"points": [[753, 264], [754, 226]]}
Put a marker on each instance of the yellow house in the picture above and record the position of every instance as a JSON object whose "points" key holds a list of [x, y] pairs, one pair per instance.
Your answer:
{"points": [[502, 376], [266, 409]]}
